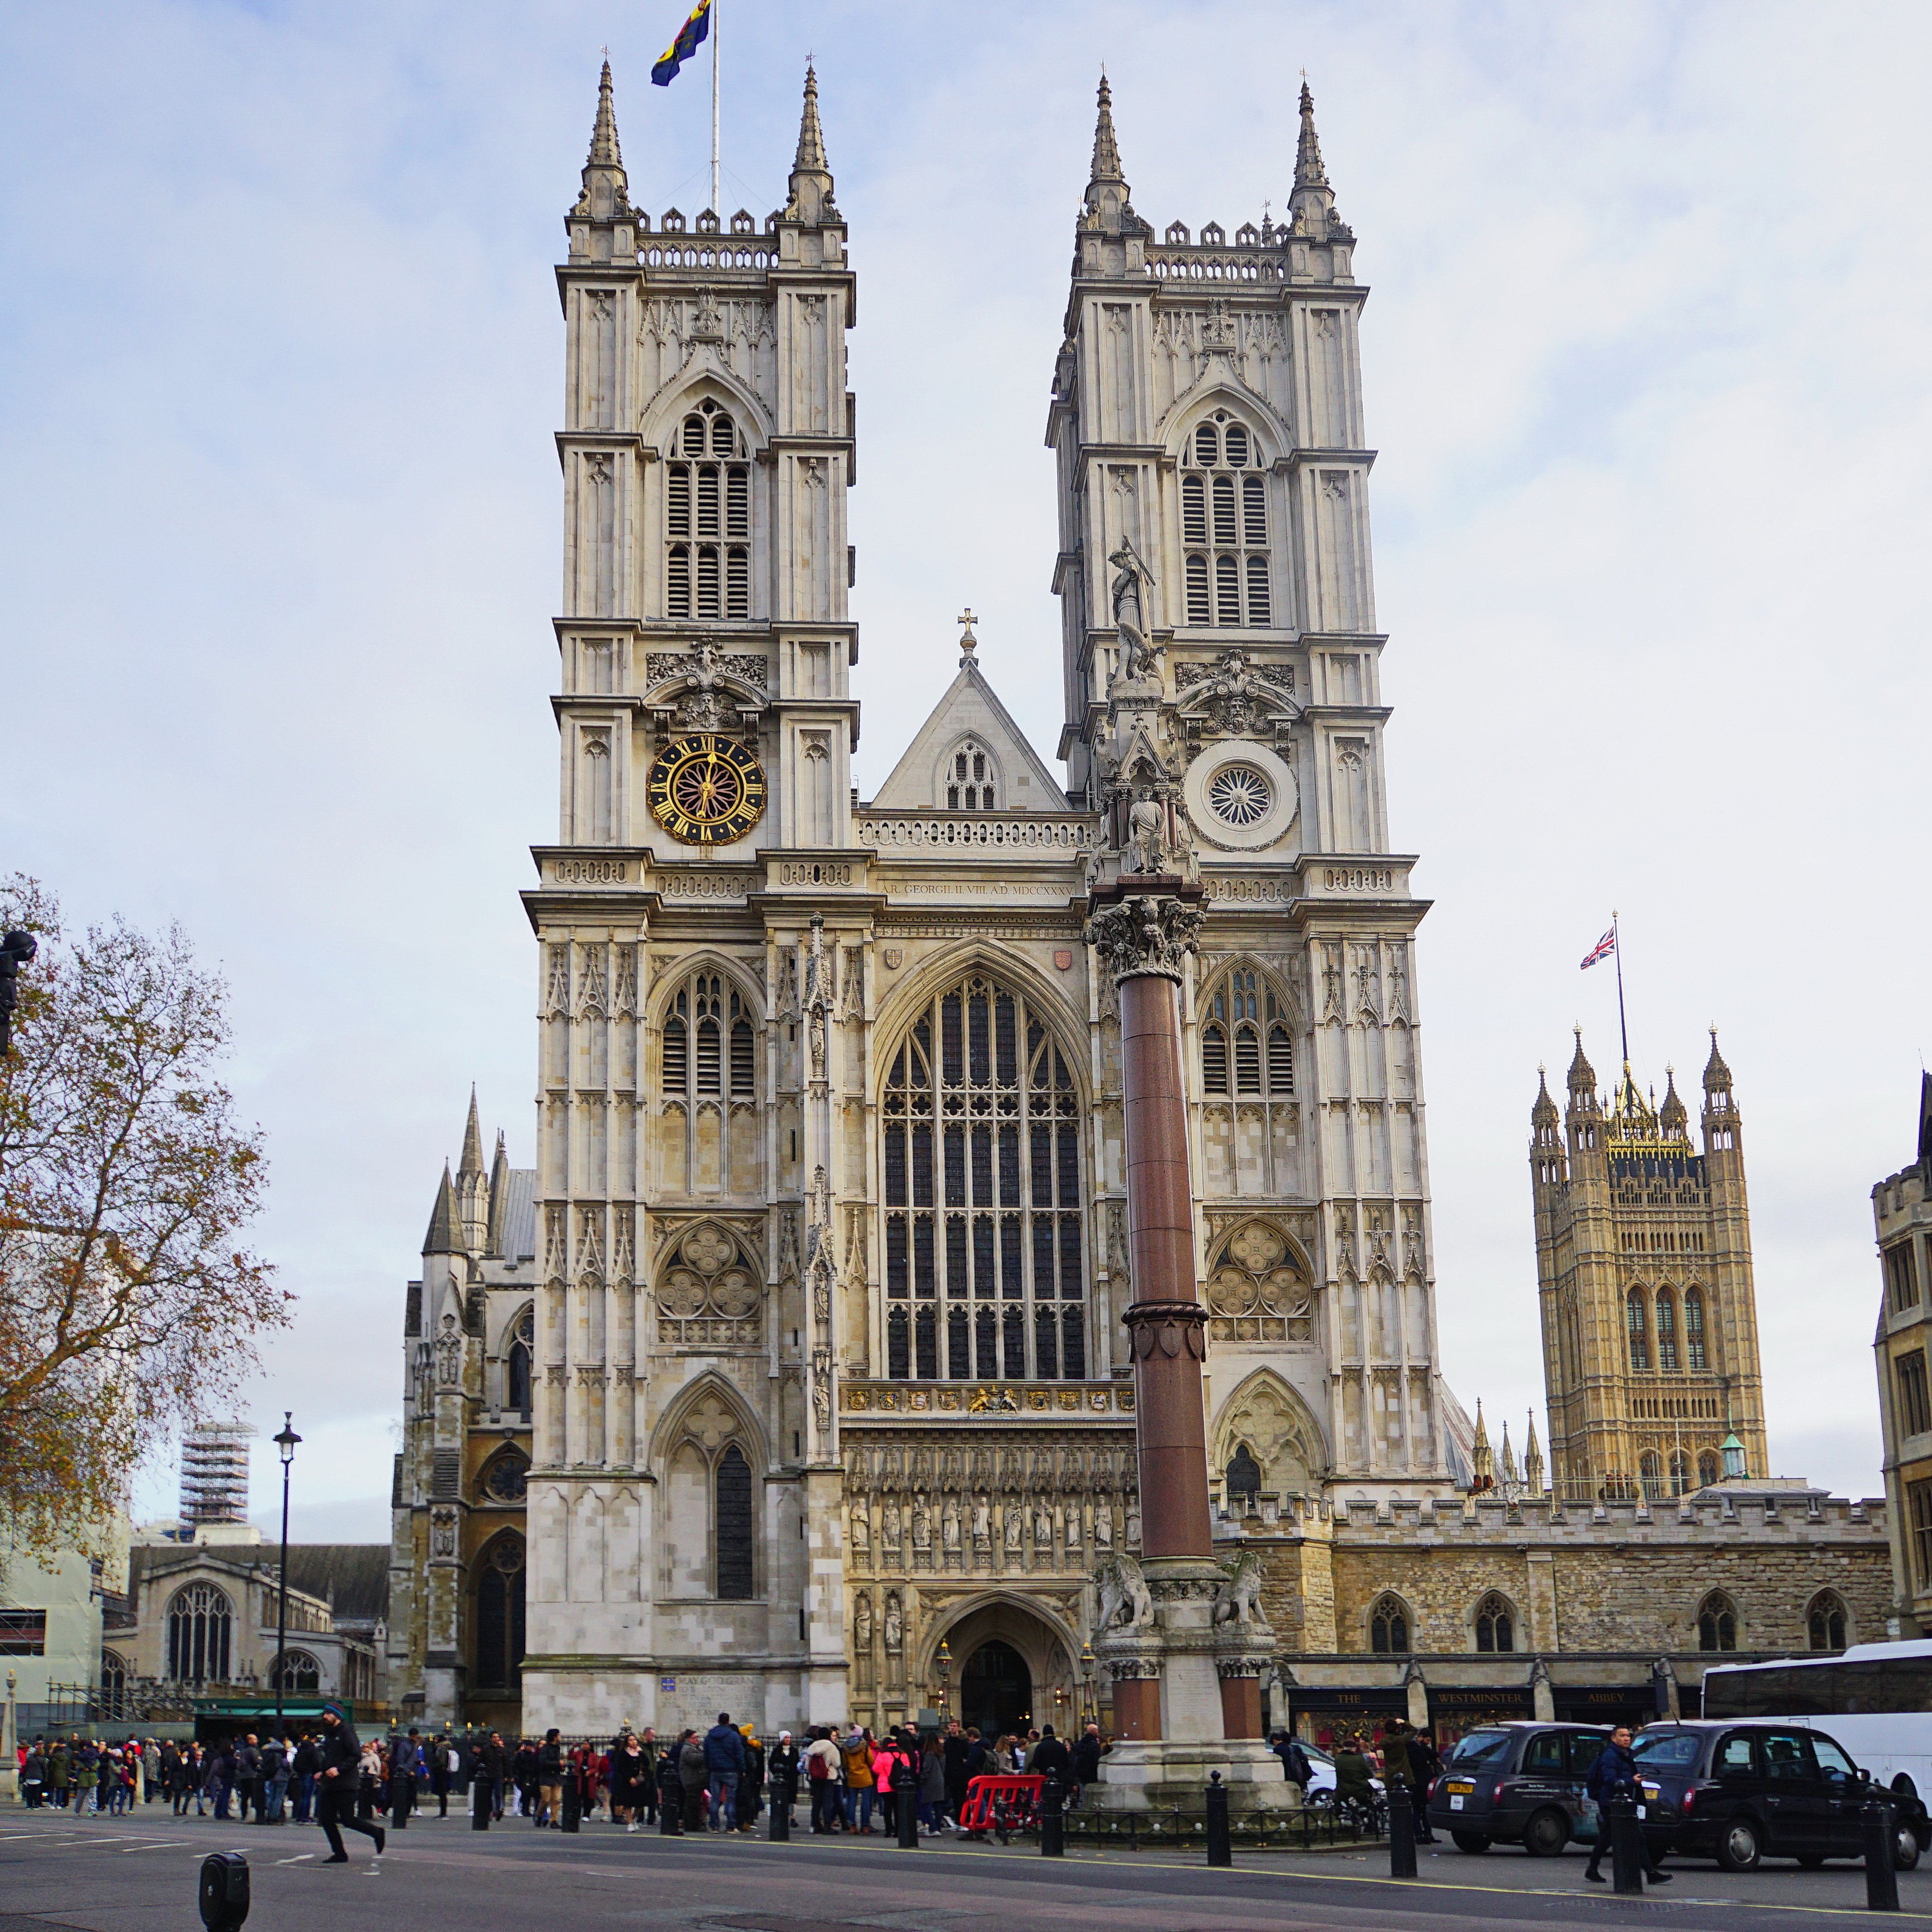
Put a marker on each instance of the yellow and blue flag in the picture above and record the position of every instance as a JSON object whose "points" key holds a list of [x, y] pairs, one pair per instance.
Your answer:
{"points": [[690, 38]]}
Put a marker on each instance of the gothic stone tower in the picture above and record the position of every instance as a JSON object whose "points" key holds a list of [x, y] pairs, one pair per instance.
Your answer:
{"points": [[1643, 1260], [1207, 423]]}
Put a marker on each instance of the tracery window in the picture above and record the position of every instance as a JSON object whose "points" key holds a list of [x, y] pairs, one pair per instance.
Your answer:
{"points": [[717, 1024], [708, 1070], [1246, 1046], [1693, 1331], [1388, 1626], [516, 1365], [1650, 1474], [732, 1507], [983, 1163], [1707, 1468], [113, 1682], [499, 1616], [1244, 1474], [201, 1622], [295, 1670], [708, 517], [1634, 1322], [1825, 1622], [1667, 1332], [1496, 1624], [972, 779], [1224, 525], [1716, 1623], [1680, 1471]]}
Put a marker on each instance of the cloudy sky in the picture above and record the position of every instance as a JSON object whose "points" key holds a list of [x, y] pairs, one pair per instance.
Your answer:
{"points": [[280, 365]]}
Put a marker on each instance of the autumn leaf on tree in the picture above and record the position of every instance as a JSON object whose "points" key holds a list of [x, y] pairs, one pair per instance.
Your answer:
{"points": [[129, 1303]]}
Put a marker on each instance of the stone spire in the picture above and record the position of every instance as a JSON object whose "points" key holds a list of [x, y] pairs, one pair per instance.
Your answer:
{"points": [[471, 1162], [1107, 207], [602, 226], [1311, 203], [1717, 1074], [811, 192], [1583, 1079], [1671, 1116], [1543, 1113], [1508, 1459], [605, 152], [499, 1196], [1482, 1459], [443, 1237]]}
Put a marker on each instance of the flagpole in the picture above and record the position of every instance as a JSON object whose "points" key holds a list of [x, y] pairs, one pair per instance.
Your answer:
{"points": [[1617, 947], [715, 190]]}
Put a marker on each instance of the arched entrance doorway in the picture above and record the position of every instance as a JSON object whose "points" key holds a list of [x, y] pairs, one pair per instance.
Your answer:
{"points": [[996, 1691]]}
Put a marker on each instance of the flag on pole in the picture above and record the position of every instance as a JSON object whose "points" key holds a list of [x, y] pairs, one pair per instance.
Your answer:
{"points": [[1604, 948], [690, 38]]}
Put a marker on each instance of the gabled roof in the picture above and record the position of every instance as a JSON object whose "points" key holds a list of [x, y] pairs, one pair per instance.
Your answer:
{"points": [[971, 709]]}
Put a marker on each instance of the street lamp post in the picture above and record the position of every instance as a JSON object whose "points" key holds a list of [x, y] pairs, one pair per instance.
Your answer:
{"points": [[1092, 1714], [286, 1442], [945, 1679]]}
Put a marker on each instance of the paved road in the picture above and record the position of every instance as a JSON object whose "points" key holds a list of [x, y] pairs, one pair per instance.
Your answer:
{"points": [[137, 1874]]}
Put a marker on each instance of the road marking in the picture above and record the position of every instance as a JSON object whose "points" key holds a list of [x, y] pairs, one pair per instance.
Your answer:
{"points": [[296, 1860], [72, 1843], [160, 1845]]}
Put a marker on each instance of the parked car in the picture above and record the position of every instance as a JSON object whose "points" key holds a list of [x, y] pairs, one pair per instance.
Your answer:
{"points": [[1742, 1792], [1519, 1783]]}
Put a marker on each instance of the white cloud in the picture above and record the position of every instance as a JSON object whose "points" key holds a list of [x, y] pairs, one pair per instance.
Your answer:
{"points": [[279, 542]]}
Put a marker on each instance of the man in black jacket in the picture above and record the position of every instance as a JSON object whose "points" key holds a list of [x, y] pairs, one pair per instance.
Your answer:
{"points": [[1611, 1781], [335, 1785], [1050, 1756]]}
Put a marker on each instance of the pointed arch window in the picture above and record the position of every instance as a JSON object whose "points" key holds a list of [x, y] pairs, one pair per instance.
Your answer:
{"points": [[295, 1670], [1389, 1625], [516, 1365], [201, 1626], [499, 1649], [983, 1163], [1826, 1622], [971, 777], [1680, 1471], [1637, 1329], [1496, 1624], [1224, 525], [1667, 1332], [1693, 1332], [708, 1051], [733, 1493], [1650, 1474], [1247, 1048], [1707, 1468], [1244, 1475], [708, 517], [1716, 1623]]}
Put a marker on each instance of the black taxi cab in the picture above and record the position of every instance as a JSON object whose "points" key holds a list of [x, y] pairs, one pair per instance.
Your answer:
{"points": [[1742, 1791], [1517, 1782]]}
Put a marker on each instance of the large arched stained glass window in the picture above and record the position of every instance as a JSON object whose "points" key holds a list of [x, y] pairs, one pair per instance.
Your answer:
{"points": [[201, 1623], [983, 1165], [499, 1616]]}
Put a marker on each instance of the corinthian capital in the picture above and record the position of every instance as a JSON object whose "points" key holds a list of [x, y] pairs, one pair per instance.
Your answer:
{"points": [[1144, 934]]}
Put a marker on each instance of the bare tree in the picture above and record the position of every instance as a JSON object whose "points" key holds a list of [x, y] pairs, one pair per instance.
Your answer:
{"points": [[127, 1302]]}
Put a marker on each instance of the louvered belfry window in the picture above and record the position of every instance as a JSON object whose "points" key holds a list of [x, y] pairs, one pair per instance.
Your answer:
{"points": [[983, 1162], [1246, 1046], [708, 518], [1224, 525]]}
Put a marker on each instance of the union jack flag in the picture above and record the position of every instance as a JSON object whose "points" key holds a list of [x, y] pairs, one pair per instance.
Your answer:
{"points": [[1604, 948]]}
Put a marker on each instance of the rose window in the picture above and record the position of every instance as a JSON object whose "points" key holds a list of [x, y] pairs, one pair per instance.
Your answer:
{"points": [[1240, 795]]}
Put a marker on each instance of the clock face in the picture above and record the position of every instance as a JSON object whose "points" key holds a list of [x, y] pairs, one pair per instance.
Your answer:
{"points": [[707, 790]]}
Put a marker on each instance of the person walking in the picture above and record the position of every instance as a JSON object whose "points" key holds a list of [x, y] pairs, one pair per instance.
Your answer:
{"points": [[1613, 1780], [405, 1762], [1424, 1763], [856, 1754], [648, 1744], [724, 1766], [33, 1775], [932, 1789], [275, 1780], [339, 1758], [549, 1781], [628, 1773], [821, 1778]]}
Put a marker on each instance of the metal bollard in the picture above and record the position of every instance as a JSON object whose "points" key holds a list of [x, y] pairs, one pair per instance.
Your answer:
{"points": [[224, 1891], [1626, 1843], [573, 1802], [1220, 1846], [482, 1793], [1881, 1875], [777, 1814], [905, 1790], [1052, 1797], [671, 1807], [1401, 1831]]}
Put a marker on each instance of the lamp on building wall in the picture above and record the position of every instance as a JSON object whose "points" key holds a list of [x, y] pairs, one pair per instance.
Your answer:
{"points": [[286, 1444], [1090, 1711], [945, 1663], [1733, 1452]]}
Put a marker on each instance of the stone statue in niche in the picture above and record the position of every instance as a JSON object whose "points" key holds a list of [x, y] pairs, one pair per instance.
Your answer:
{"points": [[949, 1524], [894, 1623], [1133, 1525], [1137, 657], [892, 1521], [1015, 1528], [922, 1524], [862, 1623], [1147, 830], [1043, 1526], [1072, 1527], [449, 1353], [862, 1526], [442, 1532], [1103, 1526], [982, 1524]]}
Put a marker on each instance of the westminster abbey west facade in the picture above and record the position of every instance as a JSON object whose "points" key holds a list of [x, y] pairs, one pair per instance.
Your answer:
{"points": [[792, 1381]]}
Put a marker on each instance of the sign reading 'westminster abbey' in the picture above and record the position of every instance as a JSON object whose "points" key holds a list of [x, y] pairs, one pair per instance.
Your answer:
{"points": [[800, 1352]]}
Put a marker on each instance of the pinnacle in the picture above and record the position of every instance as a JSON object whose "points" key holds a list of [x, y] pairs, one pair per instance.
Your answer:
{"points": [[1309, 172], [605, 152], [810, 157], [1106, 148], [441, 1238], [472, 1140]]}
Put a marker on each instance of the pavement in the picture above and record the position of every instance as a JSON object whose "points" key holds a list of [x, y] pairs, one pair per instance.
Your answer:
{"points": [[137, 1874]]}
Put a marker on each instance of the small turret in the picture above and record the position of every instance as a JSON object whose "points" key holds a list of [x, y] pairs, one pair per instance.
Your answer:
{"points": [[1582, 1080], [1543, 1114], [1672, 1117], [810, 199], [1532, 1461], [602, 226], [1107, 209], [1311, 204], [500, 1197], [1722, 1122], [472, 1185], [1511, 1479], [1717, 1076], [1482, 1457]]}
